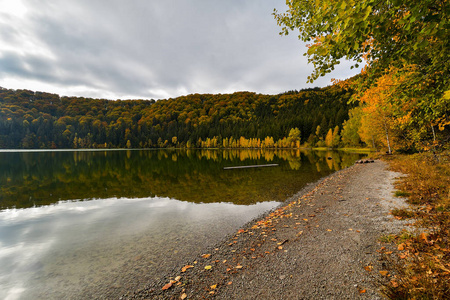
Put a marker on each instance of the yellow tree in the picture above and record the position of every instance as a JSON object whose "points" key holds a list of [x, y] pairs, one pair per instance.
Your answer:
{"points": [[376, 119], [336, 137], [294, 137], [329, 138], [405, 119]]}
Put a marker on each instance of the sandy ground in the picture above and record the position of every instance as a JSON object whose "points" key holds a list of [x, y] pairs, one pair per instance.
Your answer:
{"points": [[314, 246]]}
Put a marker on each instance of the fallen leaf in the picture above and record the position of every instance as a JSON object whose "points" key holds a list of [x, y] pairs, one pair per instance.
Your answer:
{"points": [[177, 278], [329, 230], [280, 247], [224, 261], [183, 296], [206, 255], [300, 232], [423, 237], [169, 285], [230, 282], [384, 273], [368, 268], [394, 283], [306, 220], [238, 267], [208, 267], [183, 269], [362, 291], [211, 293], [213, 286]]}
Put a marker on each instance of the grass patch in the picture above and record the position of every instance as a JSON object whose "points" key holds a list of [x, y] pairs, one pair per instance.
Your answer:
{"points": [[401, 213], [358, 150], [401, 194], [421, 267], [389, 238]]}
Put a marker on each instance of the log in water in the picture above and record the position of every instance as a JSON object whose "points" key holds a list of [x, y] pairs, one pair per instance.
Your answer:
{"points": [[252, 166]]}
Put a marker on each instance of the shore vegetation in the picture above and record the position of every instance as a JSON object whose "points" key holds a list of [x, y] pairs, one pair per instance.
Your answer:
{"points": [[421, 267]]}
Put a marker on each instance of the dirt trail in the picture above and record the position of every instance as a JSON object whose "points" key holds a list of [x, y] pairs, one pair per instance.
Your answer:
{"points": [[315, 246]]}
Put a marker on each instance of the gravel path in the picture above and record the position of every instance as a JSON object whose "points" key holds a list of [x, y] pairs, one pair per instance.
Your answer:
{"points": [[315, 246]]}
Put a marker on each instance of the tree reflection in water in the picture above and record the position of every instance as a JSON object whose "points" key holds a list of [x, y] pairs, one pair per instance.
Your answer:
{"points": [[29, 179]]}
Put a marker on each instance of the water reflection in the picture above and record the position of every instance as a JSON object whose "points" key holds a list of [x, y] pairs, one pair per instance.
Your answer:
{"points": [[29, 179], [147, 211], [59, 251]]}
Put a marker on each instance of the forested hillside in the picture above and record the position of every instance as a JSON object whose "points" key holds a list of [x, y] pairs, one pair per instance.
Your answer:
{"points": [[243, 119]]}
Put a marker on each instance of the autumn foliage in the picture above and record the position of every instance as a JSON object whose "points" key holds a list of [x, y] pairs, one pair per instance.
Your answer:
{"points": [[240, 120]]}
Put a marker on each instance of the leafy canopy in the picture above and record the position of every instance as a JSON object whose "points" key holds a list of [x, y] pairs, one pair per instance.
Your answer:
{"points": [[384, 32]]}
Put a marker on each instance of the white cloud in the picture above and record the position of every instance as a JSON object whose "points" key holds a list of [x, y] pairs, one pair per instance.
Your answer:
{"points": [[149, 49]]}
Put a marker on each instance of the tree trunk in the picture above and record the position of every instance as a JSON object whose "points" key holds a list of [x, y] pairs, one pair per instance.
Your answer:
{"points": [[434, 134], [387, 137]]}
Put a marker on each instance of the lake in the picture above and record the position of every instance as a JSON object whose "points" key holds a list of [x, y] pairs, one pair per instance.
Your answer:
{"points": [[94, 224]]}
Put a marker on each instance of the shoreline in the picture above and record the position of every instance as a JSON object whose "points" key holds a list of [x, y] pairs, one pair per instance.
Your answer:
{"points": [[321, 243]]}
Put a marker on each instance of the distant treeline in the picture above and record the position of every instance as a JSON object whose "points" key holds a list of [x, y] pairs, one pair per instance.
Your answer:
{"points": [[243, 119]]}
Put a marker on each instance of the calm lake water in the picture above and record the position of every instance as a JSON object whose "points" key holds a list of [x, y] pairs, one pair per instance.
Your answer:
{"points": [[94, 224]]}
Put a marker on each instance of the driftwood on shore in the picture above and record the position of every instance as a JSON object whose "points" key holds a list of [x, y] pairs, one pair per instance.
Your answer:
{"points": [[251, 166], [364, 161]]}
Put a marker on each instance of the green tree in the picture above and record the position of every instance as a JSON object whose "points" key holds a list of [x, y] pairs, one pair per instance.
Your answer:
{"points": [[336, 137], [349, 133]]}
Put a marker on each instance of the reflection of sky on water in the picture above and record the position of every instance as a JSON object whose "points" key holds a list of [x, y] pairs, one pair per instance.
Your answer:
{"points": [[30, 239]]}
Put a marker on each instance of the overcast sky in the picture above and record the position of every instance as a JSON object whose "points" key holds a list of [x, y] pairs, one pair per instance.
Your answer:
{"points": [[150, 49]]}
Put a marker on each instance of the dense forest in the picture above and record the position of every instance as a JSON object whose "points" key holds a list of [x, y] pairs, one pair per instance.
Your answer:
{"points": [[243, 119]]}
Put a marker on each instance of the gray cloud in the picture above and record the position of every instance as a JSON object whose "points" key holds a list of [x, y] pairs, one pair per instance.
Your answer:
{"points": [[153, 49]]}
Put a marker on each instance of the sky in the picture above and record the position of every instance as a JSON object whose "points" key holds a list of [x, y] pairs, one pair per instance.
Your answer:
{"points": [[151, 49]]}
